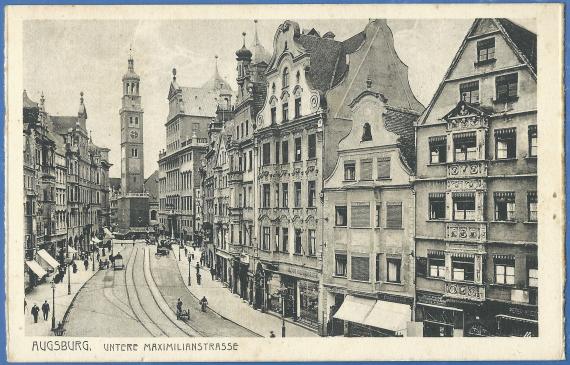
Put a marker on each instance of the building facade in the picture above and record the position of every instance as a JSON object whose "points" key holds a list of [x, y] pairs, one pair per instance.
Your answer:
{"points": [[66, 187], [133, 204], [190, 111], [476, 190]]}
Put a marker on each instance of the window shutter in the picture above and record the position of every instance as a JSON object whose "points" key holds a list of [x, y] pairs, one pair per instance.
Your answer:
{"points": [[394, 216], [366, 169], [384, 168], [360, 216], [421, 266], [359, 268]]}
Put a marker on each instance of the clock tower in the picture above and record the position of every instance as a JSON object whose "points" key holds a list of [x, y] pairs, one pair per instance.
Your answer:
{"points": [[132, 153]]}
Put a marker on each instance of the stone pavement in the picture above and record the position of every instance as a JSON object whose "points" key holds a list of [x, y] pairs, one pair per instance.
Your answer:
{"points": [[231, 306], [43, 292]]}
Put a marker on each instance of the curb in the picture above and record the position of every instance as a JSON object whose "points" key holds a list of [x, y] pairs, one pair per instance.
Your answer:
{"points": [[213, 310]]}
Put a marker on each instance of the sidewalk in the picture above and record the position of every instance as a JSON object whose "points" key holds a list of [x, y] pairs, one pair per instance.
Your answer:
{"points": [[43, 292], [231, 306]]}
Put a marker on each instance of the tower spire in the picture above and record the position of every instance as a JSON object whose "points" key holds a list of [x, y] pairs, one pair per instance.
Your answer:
{"points": [[255, 37], [131, 60]]}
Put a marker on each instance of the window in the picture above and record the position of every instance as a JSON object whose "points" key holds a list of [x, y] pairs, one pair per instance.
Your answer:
{"points": [[237, 132], [312, 145], [436, 264], [285, 200], [136, 120], [377, 217], [312, 193], [465, 146], [247, 128], [464, 207], [349, 171], [273, 115], [504, 206], [486, 50], [266, 238], [437, 206], [312, 236], [285, 80], [506, 87], [469, 92], [394, 215], [266, 195], [366, 169], [266, 154], [532, 141], [383, 168], [250, 165], [297, 194], [378, 258], [532, 269], [298, 241], [505, 143], [297, 149], [340, 216], [285, 112], [438, 149], [277, 241], [297, 107], [366, 133], [277, 195], [505, 270], [393, 273], [462, 269], [285, 151], [360, 268], [340, 265], [134, 152], [285, 240], [532, 206], [277, 151], [360, 215]]}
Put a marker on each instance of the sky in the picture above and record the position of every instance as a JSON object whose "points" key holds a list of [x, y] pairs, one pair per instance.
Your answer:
{"points": [[64, 57]]}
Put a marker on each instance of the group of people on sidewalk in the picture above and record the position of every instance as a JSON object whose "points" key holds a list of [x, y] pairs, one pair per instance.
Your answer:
{"points": [[35, 311]]}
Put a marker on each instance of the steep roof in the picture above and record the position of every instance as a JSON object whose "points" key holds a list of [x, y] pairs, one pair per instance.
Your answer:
{"points": [[151, 186], [28, 103], [524, 39], [401, 123], [199, 101], [61, 124]]}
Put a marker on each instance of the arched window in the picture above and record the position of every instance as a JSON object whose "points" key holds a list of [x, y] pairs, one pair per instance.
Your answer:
{"points": [[136, 120], [366, 133], [298, 76], [286, 77], [273, 88], [153, 215]]}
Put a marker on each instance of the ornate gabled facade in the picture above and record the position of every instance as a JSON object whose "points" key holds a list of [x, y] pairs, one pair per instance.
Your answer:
{"points": [[476, 192], [190, 111], [66, 187]]}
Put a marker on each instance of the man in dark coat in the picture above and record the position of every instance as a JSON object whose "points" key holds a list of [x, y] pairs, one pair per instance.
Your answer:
{"points": [[197, 268], [35, 311], [45, 310], [86, 263], [212, 272]]}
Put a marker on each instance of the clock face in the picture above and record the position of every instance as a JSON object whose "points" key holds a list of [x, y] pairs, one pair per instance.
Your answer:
{"points": [[134, 134]]}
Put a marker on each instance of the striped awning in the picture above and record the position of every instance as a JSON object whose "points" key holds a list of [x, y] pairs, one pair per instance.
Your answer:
{"points": [[504, 195], [437, 195], [517, 319], [464, 194], [505, 132], [464, 135], [437, 139], [436, 253], [463, 255], [36, 268], [503, 257]]}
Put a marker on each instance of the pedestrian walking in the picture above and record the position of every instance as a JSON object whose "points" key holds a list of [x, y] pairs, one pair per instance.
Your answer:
{"points": [[86, 264], [178, 306], [198, 278], [35, 312], [45, 310], [133, 242], [98, 256], [212, 272], [197, 268], [74, 267], [271, 334], [25, 305], [185, 251], [204, 303]]}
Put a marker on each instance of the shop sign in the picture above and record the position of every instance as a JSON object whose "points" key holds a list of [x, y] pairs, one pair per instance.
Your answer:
{"points": [[395, 298], [301, 272], [428, 298], [523, 312]]}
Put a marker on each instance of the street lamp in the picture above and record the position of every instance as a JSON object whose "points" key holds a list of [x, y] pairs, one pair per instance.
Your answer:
{"points": [[283, 293], [53, 305], [93, 257], [189, 269], [66, 258]]}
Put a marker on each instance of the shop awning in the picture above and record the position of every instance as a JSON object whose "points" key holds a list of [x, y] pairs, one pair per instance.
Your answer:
{"points": [[390, 316], [354, 309], [95, 240], [36, 268], [516, 319], [71, 250], [48, 259], [108, 234]]}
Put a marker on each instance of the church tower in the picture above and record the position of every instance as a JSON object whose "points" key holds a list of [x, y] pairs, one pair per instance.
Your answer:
{"points": [[131, 113]]}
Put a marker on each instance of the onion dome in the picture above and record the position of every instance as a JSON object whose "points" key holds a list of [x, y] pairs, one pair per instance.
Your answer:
{"points": [[243, 53]]}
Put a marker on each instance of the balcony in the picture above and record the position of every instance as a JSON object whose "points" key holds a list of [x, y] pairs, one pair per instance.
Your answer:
{"points": [[466, 231], [235, 177], [467, 121], [465, 291], [48, 172], [467, 169], [236, 212]]}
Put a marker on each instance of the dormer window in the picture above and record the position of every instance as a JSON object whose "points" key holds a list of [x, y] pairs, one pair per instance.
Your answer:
{"points": [[469, 92], [285, 80], [366, 133], [486, 50]]}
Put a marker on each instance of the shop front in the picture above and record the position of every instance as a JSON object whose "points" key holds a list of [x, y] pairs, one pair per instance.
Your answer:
{"points": [[223, 266], [242, 279], [439, 319]]}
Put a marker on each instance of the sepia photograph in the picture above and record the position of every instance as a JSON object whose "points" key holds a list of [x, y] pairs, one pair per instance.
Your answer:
{"points": [[309, 179]]}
